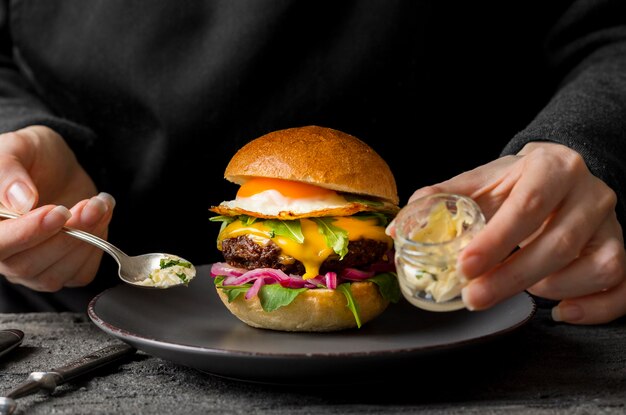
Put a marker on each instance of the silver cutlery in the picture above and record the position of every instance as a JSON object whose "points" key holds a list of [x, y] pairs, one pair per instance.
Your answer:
{"points": [[10, 339], [49, 380]]}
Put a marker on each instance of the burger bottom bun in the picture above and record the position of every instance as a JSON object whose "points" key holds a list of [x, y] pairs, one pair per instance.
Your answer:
{"points": [[316, 309]]}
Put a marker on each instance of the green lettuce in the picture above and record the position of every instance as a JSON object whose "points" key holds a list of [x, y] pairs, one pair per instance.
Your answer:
{"points": [[274, 296]]}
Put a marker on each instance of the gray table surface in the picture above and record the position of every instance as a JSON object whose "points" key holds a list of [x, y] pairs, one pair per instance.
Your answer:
{"points": [[541, 368]]}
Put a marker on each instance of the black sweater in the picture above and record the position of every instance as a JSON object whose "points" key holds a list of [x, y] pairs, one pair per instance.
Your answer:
{"points": [[155, 97]]}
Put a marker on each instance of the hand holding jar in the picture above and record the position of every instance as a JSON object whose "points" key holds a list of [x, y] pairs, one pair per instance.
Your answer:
{"points": [[562, 218]]}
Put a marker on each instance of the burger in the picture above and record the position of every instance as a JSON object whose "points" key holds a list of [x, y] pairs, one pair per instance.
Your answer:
{"points": [[304, 240]]}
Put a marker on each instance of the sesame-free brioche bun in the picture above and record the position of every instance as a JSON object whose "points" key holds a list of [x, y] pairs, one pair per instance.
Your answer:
{"points": [[318, 310], [317, 155]]}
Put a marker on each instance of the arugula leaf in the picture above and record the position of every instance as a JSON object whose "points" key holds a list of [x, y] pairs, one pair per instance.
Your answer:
{"points": [[360, 199], [222, 218], [388, 286], [232, 291], [288, 228], [336, 238], [182, 277], [274, 296], [226, 220], [383, 219], [247, 220], [352, 305], [170, 262], [271, 296]]}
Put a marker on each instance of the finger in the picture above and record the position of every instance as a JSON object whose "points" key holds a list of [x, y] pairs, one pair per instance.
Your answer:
{"points": [[472, 183], [563, 239], [599, 308], [31, 229], [17, 191], [87, 257], [50, 264], [93, 213], [427, 191], [601, 266], [534, 196]]}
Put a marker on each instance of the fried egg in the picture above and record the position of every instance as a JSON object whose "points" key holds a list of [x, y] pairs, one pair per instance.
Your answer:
{"points": [[285, 199]]}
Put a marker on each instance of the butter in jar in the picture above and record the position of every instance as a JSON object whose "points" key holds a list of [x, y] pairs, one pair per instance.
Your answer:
{"points": [[430, 232]]}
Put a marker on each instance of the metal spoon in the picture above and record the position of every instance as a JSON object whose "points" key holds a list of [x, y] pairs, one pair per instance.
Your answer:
{"points": [[155, 270]]}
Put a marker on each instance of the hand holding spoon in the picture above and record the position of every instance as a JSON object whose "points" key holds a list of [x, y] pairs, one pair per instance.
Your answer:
{"points": [[155, 270]]}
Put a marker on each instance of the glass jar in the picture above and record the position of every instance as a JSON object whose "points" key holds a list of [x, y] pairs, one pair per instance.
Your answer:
{"points": [[430, 232]]}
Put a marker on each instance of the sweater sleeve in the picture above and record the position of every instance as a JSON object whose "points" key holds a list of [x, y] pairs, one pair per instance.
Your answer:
{"points": [[587, 52], [20, 105]]}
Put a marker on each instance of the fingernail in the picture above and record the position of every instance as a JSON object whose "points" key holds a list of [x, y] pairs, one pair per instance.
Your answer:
{"points": [[389, 230], [56, 218], [107, 198], [21, 198], [470, 266], [93, 211], [476, 296], [567, 312]]}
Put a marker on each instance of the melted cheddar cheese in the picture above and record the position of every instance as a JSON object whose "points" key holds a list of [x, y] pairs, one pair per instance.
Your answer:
{"points": [[313, 251]]}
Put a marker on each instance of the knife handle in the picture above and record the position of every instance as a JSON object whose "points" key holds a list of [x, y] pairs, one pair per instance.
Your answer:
{"points": [[55, 377], [93, 361], [9, 339]]}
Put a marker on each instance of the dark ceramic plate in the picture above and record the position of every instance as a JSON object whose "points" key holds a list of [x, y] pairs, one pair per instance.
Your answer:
{"points": [[190, 326]]}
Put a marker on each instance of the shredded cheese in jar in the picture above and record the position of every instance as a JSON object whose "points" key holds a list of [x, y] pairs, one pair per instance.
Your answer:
{"points": [[430, 233]]}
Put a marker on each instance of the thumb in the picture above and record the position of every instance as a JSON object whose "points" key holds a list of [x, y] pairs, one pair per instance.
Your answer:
{"points": [[422, 192], [471, 183], [17, 190], [427, 191]]}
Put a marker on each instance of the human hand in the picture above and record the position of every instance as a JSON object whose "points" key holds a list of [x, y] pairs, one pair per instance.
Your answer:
{"points": [[571, 248], [37, 168]]}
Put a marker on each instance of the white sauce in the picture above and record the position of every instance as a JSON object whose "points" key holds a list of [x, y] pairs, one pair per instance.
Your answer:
{"points": [[172, 271]]}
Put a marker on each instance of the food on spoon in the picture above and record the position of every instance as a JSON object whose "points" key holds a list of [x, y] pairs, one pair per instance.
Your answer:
{"points": [[172, 270], [304, 240]]}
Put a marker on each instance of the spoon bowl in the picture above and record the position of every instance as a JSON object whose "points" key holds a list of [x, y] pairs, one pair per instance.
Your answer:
{"points": [[154, 270]]}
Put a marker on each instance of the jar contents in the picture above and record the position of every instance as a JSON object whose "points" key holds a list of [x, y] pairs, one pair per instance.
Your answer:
{"points": [[430, 234]]}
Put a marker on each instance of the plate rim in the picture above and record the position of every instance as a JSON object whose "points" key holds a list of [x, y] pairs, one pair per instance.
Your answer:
{"points": [[132, 337]]}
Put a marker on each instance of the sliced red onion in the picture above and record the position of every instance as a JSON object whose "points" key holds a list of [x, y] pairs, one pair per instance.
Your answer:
{"points": [[354, 274], [331, 280], [238, 276], [223, 268], [254, 290], [315, 282]]}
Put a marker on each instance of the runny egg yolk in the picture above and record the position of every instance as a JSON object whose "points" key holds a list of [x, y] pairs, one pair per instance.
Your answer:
{"points": [[288, 188]]}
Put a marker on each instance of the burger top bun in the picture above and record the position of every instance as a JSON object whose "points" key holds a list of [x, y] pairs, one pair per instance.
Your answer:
{"points": [[317, 155]]}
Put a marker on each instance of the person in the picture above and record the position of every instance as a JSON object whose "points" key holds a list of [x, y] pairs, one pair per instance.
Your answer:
{"points": [[119, 119]]}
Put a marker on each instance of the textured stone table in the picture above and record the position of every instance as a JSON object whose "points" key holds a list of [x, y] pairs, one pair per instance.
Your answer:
{"points": [[542, 368]]}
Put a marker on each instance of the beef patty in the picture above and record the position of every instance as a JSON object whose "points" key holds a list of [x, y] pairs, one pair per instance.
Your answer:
{"points": [[243, 252]]}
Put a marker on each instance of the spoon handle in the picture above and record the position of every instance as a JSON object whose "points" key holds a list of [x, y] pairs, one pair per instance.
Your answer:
{"points": [[112, 250], [94, 240]]}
